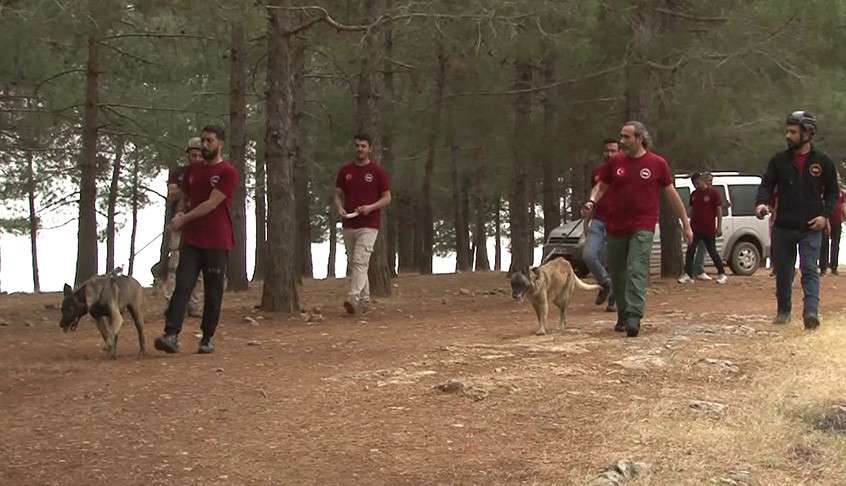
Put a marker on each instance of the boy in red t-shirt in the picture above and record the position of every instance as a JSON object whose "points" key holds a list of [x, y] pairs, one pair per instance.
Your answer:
{"points": [[706, 208], [362, 189], [207, 238]]}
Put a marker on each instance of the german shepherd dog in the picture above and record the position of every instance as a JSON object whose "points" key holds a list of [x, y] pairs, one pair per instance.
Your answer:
{"points": [[553, 282], [105, 297]]}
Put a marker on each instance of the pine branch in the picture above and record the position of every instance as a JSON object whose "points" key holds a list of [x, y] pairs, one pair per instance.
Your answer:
{"points": [[541, 88], [687, 16]]}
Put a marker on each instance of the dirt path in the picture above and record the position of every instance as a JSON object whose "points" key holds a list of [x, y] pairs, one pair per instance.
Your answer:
{"points": [[354, 400]]}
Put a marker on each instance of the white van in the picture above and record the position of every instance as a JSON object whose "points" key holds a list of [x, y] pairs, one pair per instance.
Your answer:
{"points": [[744, 245]]}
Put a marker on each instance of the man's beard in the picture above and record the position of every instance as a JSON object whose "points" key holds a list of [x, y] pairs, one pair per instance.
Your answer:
{"points": [[209, 154], [629, 150]]}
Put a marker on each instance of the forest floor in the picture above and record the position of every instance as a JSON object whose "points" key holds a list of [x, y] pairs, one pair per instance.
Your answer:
{"points": [[710, 393]]}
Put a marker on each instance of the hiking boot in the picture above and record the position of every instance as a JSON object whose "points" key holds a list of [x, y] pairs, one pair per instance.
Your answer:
{"points": [[169, 343], [812, 321], [603, 294], [206, 346], [721, 278], [782, 318], [620, 326], [632, 326], [349, 307], [703, 276], [685, 279]]}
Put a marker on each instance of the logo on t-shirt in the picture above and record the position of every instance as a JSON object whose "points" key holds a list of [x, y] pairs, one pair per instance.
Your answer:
{"points": [[707, 198], [368, 177], [645, 173], [348, 177], [815, 170], [214, 180], [621, 171]]}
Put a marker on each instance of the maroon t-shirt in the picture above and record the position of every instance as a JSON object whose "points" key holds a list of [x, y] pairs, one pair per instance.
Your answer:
{"points": [[214, 230], [362, 185], [705, 205], [837, 214], [602, 207], [634, 186], [799, 161]]}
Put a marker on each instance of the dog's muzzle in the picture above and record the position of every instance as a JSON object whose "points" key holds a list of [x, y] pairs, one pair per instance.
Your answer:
{"points": [[70, 326]]}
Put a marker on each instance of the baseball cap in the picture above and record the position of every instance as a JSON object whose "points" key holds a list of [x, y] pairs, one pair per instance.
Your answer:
{"points": [[194, 143]]}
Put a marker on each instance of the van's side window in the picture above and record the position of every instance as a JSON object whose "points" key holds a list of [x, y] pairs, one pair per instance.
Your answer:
{"points": [[726, 204], [743, 199], [684, 194]]}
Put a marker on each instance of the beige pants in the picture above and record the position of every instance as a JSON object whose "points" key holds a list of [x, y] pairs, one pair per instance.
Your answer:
{"points": [[195, 303], [359, 243]]}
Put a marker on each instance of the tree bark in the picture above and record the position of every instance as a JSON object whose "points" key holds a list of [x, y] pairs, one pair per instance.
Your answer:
{"points": [[388, 101], [407, 235], [301, 171], [426, 217], [261, 216], [518, 207], [481, 213], [498, 235], [279, 292], [332, 219], [462, 232], [134, 232], [551, 196], [237, 270], [33, 223], [86, 252], [114, 187]]}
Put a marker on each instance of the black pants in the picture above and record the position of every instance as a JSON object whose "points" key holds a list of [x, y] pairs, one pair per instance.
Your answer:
{"points": [[192, 261], [710, 245], [825, 261]]}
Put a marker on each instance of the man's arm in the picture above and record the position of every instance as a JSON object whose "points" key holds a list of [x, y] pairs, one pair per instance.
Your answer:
{"points": [[173, 192], [339, 201], [381, 203], [595, 195], [678, 207], [181, 219], [765, 191]]}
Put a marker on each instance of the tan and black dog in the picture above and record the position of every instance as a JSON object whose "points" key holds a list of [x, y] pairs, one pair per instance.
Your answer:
{"points": [[553, 282], [105, 297]]}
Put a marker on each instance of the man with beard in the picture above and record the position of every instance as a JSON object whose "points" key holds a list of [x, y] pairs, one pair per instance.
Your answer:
{"points": [[207, 238], [596, 239], [633, 180], [806, 181], [361, 191]]}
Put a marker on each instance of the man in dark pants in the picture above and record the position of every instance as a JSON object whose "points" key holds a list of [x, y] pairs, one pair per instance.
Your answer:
{"points": [[596, 239], [706, 218], [806, 180], [634, 180], [830, 253], [207, 237]]}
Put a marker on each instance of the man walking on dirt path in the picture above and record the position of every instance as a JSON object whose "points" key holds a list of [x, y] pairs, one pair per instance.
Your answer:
{"points": [[207, 238], [634, 181], [177, 198], [594, 250], [362, 189], [830, 247], [706, 221], [806, 181]]}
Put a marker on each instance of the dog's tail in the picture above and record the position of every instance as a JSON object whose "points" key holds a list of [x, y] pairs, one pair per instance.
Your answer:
{"points": [[582, 285]]}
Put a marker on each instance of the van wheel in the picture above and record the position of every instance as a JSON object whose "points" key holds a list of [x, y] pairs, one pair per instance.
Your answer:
{"points": [[745, 258]]}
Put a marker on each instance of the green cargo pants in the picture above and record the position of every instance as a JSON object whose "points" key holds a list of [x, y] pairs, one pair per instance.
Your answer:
{"points": [[628, 261]]}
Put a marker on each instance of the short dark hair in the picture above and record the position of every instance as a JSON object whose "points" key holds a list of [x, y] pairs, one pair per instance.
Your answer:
{"points": [[611, 140], [363, 136], [218, 131], [695, 176]]}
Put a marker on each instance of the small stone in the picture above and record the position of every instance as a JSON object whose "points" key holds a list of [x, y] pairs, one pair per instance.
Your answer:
{"points": [[444, 301], [28, 324], [304, 316], [219, 370], [707, 407], [315, 317], [253, 343], [49, 306], [451, 386], [249, 320], [465, 292], [317, 310]]}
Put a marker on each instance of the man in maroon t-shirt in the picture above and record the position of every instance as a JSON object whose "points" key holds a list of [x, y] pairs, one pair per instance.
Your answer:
{"points": [[706, 217], [361, 191], [830, 250], [207, 238], [593, 252], [634, 181]]}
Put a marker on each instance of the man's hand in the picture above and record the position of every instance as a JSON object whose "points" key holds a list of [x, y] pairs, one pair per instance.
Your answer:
{"points": [[363, 210], [817, 223], [761, 211], [177, 222], [587, 209], [342, 212], [719, 232], [688, 233]]}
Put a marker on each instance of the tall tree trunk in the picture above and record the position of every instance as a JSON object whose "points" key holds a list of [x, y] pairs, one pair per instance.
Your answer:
{"points": [[406, 235], [518, 207], [498, 235], [378, 272], [237, 270], [462, 232], [33, 222], [301, 171], [481, 213], [86, 251], [261, 216], [551, 196], [426, 218], [280, 291], [134, 232], [332, 220], [114, 187], [392, 221]]}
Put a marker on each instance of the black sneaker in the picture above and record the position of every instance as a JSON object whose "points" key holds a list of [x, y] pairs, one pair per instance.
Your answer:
{"points": [[169, 343], [632, 326], [206, 346], [812, 321], [620, 326], [782, 318], [603, 294]]}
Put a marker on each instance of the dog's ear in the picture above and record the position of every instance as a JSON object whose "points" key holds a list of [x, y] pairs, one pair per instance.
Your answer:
{"points": [[67, 291], [534, 273]]}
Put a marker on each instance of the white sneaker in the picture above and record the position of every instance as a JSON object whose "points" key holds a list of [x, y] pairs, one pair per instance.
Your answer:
{"points": [[703, 276], [721, 278], [685, 278]]}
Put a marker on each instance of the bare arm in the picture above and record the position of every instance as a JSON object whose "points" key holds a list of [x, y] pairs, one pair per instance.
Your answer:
{"points": [[173, 192], [339, 201], [678, 207], [181, 219], [381, 203], [595, 195]]}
